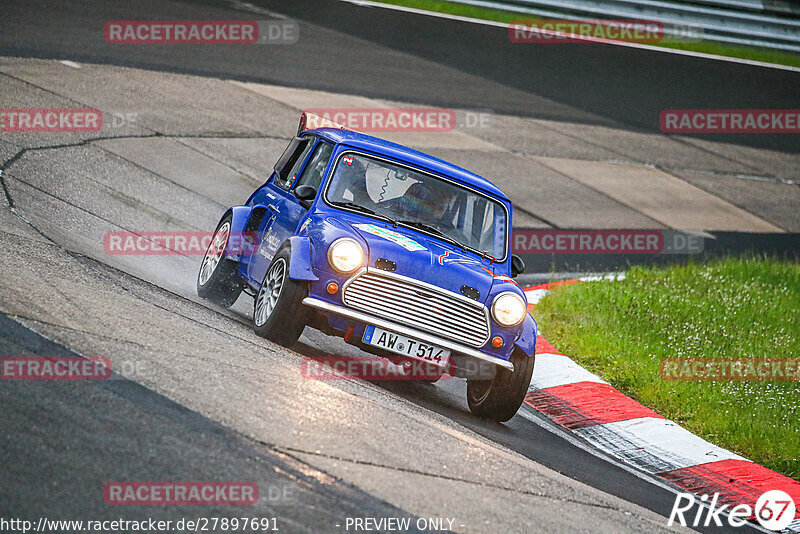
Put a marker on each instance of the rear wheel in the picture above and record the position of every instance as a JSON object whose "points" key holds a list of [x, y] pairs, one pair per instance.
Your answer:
{"points": [[217, 280], [500, 398], [278, 311]]}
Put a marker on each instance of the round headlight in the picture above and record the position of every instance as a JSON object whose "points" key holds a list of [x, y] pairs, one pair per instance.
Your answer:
{"points": [[508, 309], [345, 255]]}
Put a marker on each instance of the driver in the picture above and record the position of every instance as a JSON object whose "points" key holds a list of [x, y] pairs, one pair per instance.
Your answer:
{"points": [[429, 203]]}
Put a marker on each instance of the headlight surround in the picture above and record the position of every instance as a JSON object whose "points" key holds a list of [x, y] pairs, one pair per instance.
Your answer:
{"points": [[508, 309], [345, 255]]}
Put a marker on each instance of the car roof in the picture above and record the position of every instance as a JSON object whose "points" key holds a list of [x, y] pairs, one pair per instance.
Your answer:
{"points": [[410, 156]]}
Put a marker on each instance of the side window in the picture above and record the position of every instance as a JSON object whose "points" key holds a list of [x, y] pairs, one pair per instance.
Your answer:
{"points": [[291, 161], [312, 174]]}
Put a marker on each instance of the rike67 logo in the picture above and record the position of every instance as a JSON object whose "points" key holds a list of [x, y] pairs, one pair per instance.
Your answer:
{"points": [[774, 510]]}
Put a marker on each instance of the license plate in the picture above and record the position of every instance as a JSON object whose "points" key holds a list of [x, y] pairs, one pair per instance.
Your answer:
{"points": [[406, 346]]}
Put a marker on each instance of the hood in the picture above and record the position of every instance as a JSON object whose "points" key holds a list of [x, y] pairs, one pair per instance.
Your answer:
{"points": [[425, 258]]}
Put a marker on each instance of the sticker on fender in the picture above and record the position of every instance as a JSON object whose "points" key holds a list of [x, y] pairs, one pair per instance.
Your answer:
{"points": [[406, 346]]}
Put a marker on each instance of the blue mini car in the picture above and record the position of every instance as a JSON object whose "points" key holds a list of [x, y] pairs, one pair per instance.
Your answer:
{"points": [[400, 253]]}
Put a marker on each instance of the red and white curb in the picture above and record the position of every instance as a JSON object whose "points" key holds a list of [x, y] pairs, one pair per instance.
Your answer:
{"points": [[586, 405]]}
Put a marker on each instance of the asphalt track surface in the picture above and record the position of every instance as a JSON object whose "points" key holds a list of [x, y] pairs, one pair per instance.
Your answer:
{"points": [[446, 63], [194, 434], [143, 436]]}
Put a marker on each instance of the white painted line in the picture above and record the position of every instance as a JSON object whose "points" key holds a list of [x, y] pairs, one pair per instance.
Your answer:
{"points": [[550, 32], [250, 8], [69, 63], [558, 370], [654, 445]]}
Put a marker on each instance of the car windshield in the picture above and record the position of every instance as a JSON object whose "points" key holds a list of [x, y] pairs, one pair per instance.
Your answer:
{"points": [[420, 200]]}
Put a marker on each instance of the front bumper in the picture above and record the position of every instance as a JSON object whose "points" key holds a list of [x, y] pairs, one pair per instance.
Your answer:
{"points": [[406, 331]]}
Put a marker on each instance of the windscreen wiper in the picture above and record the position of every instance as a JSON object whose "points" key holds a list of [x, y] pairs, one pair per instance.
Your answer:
{"points": [[363, 209]]}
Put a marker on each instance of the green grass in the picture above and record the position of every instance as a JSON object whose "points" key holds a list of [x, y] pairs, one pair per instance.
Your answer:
{"points": [[707, 47], [731, 308]]}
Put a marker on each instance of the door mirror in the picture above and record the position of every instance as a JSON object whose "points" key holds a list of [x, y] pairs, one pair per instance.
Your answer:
{"points": [[517, 266], [305, 194]]}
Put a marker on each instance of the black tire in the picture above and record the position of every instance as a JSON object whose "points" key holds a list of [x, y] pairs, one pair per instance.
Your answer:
{"points": [[222, 285], [288, 317], [500, 398]]}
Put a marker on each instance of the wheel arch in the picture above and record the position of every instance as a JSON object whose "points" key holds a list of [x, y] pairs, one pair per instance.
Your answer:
{"points": [[527, 338], [240, 216], [300, 267]]}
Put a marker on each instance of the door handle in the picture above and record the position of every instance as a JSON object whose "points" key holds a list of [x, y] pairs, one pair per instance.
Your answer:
{"points": [[274, 208]]}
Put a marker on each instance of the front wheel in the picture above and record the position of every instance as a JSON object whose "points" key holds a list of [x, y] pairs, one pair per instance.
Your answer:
{"points": [[278, 311], [500, 398]]}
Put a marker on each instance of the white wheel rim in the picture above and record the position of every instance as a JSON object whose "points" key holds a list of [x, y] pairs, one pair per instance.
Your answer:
{"points": [[270, 291], [214, 253]]}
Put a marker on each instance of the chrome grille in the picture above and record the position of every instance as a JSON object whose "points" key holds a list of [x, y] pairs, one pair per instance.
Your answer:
{"points": [[423, 306]]}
